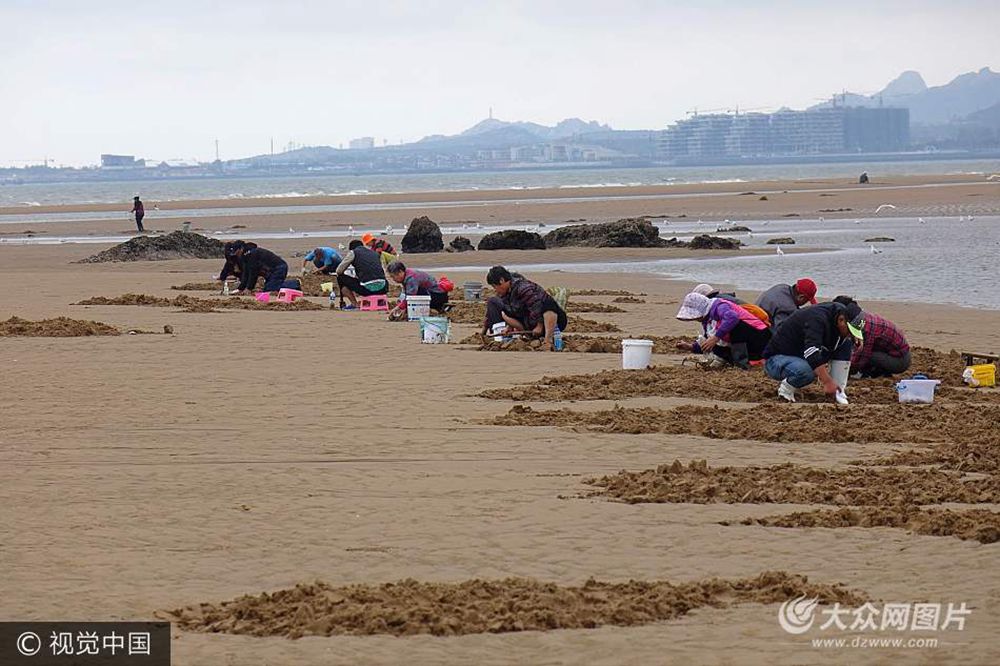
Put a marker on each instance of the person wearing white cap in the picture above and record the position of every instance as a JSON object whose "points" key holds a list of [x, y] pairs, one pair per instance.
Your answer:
{"points": [[731, 333], [712, 292]]}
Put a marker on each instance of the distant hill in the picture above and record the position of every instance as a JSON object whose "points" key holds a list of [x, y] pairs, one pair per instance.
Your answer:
{"points": [[962, 96], [562, 129]]}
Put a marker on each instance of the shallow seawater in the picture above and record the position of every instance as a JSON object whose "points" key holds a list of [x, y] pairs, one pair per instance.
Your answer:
{"points": [[942, 260]]}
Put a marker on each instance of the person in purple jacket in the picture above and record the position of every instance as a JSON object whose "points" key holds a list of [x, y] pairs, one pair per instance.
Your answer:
{"points": [[731, 333]]}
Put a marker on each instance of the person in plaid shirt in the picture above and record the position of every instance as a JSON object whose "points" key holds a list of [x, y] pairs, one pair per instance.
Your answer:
{"points": [[885, 351], [528, 307], [416, 283]]}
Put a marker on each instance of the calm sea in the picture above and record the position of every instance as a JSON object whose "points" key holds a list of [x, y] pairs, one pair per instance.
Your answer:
{"points": [[287, 187]]}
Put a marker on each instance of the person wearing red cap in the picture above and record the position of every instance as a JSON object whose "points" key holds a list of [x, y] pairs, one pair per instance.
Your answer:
{"points": [[383, 248], [782, 300]]}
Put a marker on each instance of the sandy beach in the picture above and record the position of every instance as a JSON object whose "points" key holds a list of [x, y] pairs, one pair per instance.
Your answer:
{"points": [[252, 451]]}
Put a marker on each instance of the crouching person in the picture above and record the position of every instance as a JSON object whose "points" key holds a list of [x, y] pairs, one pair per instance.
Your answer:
{"points": [[731, 333], [807, 341], [416, 283], [884, 352], [527, 306]]}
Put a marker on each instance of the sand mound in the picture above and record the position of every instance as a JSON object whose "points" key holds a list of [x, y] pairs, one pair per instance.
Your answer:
{"points": [[61, 327], [198, 286], [602, 292], [192, 304], [176, 245], [411, 607], [793, 484], [783, 423], [583, 306], [728, 384], [627, 299], [475, 313], [968, 524], [677, 381], [575, 343], [980, 454]]}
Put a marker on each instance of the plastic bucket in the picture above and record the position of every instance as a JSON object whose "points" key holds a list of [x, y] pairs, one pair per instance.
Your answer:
{"points": [[417, 307], [473, 291], [636, 354], [498, 329], [264, 297], [984, 374], [434, 330], [326, 287], [917, 390]]}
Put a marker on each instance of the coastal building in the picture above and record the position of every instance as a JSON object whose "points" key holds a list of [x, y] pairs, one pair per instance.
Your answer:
{"points": [[823, 131], [109, 161], [364, 143]]}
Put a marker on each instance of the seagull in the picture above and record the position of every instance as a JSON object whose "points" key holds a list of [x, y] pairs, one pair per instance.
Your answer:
{"points": [[728, 222], [879, 209], [822, 219], [388, 228], [970, 219], [961, 218], [478, 226], [857, 221], [464, 225], [749, 234], [921, 220], [700, 222], [290, 230], [350, 229], [875, 250], [780, 252], [766, 222]]}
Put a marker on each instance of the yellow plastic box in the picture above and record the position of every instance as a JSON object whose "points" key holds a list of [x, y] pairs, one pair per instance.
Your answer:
{"points": [[984, 373]]}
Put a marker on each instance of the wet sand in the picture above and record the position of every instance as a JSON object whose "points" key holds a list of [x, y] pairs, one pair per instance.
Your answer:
{"points": [[831, 198], [252, 450]]}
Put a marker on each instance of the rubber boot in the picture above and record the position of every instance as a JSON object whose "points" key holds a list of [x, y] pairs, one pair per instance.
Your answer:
{"points": [[740, 357], [840, 371]]}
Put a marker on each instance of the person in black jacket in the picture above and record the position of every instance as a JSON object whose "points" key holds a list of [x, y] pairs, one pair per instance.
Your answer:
{"points": [[255, 262], [369, 276], [807, 341]]}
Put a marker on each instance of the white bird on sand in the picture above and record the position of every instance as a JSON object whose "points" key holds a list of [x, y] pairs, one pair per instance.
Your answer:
{"points": [[822, 219], [700, 222], [405, 227], [879, 209], [350, 229], [921, 220], [766, 222], [388, 228], [749, 234], [961, 218], [857, 221], [464, 225], [875, 250], [780, 252], [970, 219], [290, 230], [478, 226], [728, 222]]}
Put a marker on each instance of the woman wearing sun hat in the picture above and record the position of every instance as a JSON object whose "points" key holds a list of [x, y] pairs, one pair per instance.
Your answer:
{"points": [[733, 334]]}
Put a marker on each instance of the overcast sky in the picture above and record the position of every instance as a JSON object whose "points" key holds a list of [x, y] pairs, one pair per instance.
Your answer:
{"points": [[163, 79]]}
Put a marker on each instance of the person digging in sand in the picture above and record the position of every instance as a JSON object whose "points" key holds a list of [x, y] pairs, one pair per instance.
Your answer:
{"points": [[712, 292], [731, 333], [527, 306], [416, 283], [383, 248], [324, 259], [368, 279], [809, 339], [781, 300], [256, 262], [885, 351]]}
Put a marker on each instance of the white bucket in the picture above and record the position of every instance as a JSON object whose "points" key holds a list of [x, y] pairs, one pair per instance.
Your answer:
{"points": [[917, 390], [417, 307], [498, 329], [435, 330], [636, 354]]}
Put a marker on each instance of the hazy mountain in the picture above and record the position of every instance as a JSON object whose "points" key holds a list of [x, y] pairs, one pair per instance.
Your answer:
{"points": [[562, 129], [962, 96]]}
